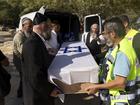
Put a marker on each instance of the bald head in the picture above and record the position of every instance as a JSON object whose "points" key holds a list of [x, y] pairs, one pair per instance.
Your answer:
{"points": [[25, 20], [94, 28]]}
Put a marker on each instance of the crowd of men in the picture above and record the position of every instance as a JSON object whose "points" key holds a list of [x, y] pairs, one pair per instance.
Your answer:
{"points": [[37, 43]]}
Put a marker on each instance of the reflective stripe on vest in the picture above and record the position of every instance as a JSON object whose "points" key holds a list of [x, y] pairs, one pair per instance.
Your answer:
{"points": [[138, 92], [138, 64], [130, 86], [123, 97], [138, 79], [131, 83], [103, 98], [138, 96]]}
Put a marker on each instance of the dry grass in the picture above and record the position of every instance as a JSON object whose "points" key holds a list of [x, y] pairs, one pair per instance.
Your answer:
{"points": [[7, 47]]}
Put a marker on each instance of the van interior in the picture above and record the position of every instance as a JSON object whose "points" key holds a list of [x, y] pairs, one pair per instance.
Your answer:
{"points": [[70, 25], [90, 21]]}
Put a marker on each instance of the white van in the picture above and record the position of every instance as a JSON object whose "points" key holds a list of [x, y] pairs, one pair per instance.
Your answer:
{"points": [[70, 25]]}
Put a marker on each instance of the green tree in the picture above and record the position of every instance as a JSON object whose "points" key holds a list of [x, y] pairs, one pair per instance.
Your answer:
{"points": [[13, 9], [4, 11]]}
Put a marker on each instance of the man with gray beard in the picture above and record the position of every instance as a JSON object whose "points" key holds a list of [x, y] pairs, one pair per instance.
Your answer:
{"points": [[18, 41], [37, 90], [92, 42]]}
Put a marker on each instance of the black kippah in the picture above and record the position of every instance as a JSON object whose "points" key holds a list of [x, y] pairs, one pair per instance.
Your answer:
{"points": [[39, 18]]}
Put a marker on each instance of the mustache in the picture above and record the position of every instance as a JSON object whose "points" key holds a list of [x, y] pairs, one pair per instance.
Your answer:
{"points": [[28, 33]]}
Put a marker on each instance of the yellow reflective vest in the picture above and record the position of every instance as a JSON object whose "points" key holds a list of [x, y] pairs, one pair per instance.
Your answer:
{"points": [[129, 92], [131, 33]]}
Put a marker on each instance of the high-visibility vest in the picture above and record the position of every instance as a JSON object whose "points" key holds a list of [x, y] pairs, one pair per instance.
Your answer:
{"points": [[130, 35], [128, 94]]}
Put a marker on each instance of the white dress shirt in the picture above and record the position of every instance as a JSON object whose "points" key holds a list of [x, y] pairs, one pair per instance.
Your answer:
{"points": [[53, 41]]}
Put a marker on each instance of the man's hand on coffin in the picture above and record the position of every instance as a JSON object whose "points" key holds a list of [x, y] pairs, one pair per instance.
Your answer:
{"points": [[55, 92], [90, 88]]}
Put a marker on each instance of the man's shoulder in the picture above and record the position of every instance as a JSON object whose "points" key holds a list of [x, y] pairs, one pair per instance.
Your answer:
{"points": [[19, 35], [119, 69], [122, 54], [131, 33], [32, 40], [122, 57]]}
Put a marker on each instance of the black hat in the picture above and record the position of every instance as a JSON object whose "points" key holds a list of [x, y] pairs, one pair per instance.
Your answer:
{"points": [[39, 18]]}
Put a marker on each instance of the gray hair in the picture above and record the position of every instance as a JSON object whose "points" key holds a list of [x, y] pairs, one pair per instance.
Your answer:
{"points": [[116, 25]]}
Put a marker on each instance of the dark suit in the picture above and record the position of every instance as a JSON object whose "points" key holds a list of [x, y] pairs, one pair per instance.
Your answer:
{"points": [[35, 63], [94, 47]]}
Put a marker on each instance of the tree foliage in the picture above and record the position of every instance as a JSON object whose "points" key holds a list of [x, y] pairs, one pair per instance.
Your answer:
{"points": [[13, 9]]}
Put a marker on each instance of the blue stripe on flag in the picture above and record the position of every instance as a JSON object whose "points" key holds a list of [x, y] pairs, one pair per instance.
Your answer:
{"points": [[66, 48], [79, 49]]}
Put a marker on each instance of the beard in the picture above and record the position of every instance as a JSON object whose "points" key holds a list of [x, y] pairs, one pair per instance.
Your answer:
{"points": [[47, 35], [109, 43], [28, 33], [94, 35]]}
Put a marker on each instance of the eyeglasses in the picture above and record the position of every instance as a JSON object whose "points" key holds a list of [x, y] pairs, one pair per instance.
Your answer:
{"points": [[105, 32]]}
